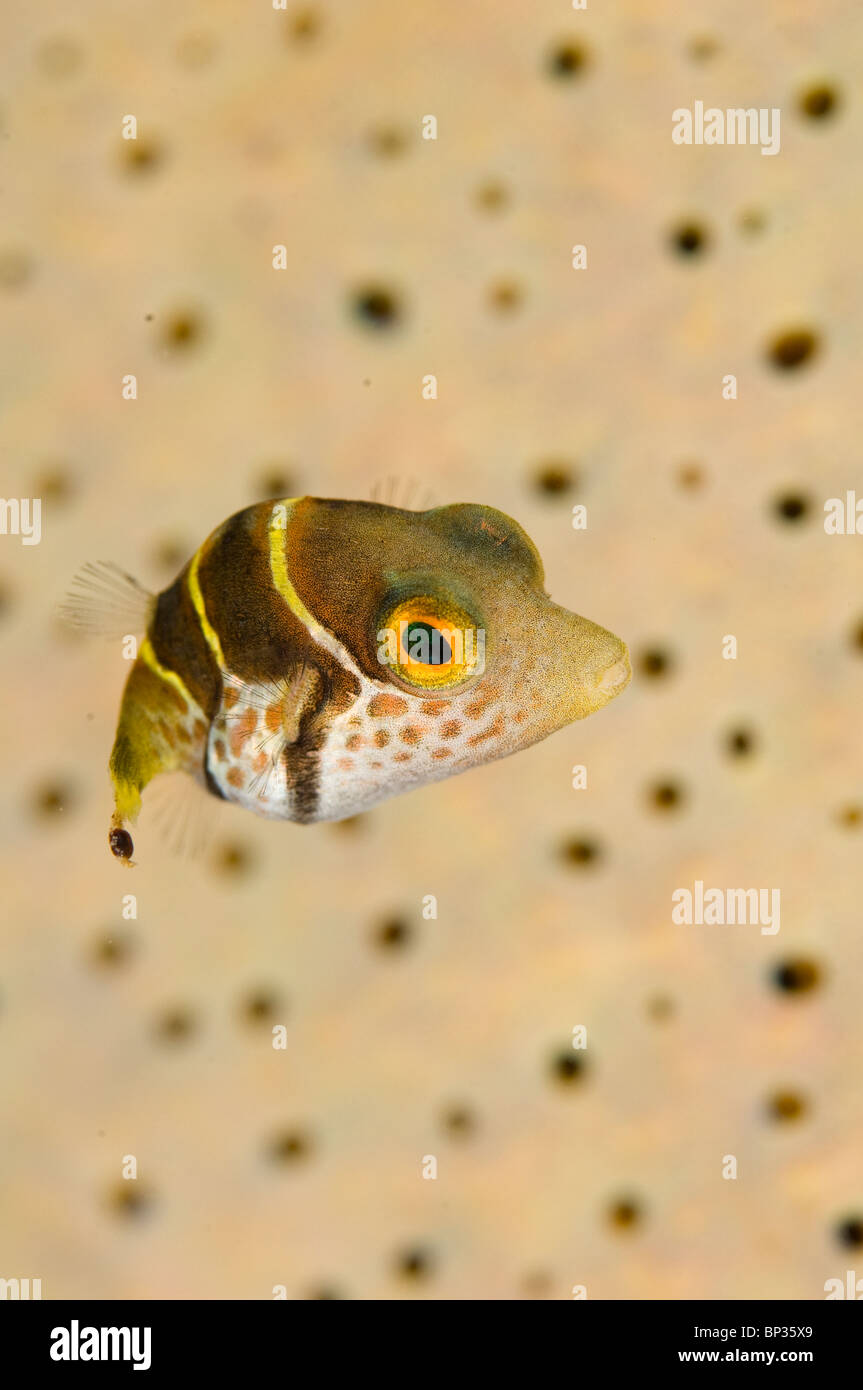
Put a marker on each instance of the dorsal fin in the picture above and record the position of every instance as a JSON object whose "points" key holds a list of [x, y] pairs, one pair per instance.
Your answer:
{"points": [[106, 601], [408, 494]]}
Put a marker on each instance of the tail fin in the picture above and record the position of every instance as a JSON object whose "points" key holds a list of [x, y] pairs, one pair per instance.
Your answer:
{"points": [[159, 730]]}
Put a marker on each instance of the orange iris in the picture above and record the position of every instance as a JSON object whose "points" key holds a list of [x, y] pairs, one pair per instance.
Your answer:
{"points": [[431, 645]]}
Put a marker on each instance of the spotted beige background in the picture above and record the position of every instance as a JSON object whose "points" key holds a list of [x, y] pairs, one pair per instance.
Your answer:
{"points": [[409, 1037]]}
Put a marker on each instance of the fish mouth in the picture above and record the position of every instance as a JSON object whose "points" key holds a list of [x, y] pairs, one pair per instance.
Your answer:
{"points": [[613, 679]]}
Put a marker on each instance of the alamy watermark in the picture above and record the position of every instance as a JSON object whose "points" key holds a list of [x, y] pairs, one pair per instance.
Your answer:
{"points": [[21, 516], [844, 516], [851, 1287], [719, 907], [737, 125], [77, 1343], [20, 1289]]}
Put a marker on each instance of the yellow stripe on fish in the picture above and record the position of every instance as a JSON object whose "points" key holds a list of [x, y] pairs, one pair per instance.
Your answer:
{"points": [[200, 608], [148, 656]]}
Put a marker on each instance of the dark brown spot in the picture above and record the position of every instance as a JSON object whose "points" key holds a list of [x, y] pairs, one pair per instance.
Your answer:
{"points": [[169, 553], [233, 858], [849, 1232], [377, 307], [567, 60], [55, 486], [654, 662], [440, 753], [434, 707], [290, 1146], [411, 734], [691, 476], [689, 239], [175, 1026], [451, 729], [791, 506], [492, 196], [819, 101], [388, 141], [624, 1214], [538, 1283], [752, 220], [196, 50], [129, 1198], [382, 738], [554, 477], [505, 296], [113, 949], [141, 156], [260, 1006], [660, 1008], [182, 331], [394, 932], [740, 743], [785, 1105], [305, 24], [667, 796], [53, 799], [459, 1120], [792, 348], [16, 268], [703, 47], [568, 1066], [796, 975], [275, 482], [581, 852], [414, 1264]]}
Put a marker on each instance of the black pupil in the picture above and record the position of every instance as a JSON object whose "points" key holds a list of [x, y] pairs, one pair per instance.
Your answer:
{"points": [[426, 644]]}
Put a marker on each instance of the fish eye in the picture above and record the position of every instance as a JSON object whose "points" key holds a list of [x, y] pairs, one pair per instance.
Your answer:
{"points": [[430, 643]]}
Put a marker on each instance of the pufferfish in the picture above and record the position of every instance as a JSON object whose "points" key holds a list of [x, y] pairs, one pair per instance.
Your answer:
{"points": [[316, 656]]}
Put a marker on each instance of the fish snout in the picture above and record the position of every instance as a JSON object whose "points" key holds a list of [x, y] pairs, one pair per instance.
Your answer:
{"points": [[615, 677], [591, 668]]}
